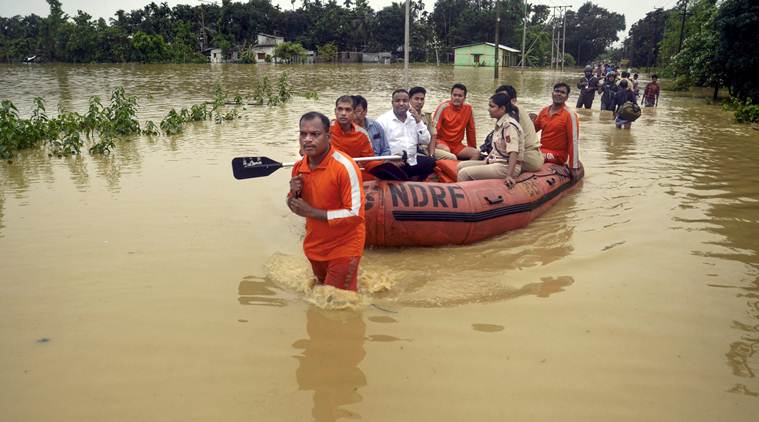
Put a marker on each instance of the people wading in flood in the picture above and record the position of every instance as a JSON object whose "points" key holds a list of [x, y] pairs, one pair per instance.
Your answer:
{"points": [[326, 188], [588, 85], [621, 98], [453, 119], [607, 90], [651, 94], [510, 154], [560, 130]]}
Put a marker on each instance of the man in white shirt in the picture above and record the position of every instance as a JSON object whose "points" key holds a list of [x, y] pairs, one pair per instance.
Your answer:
{"points": [[405, 131]]}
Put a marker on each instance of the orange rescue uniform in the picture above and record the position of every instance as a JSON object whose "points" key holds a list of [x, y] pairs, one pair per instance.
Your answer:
{"points": [[355, 143], [336, 186], [450, 124], [560, 136]]}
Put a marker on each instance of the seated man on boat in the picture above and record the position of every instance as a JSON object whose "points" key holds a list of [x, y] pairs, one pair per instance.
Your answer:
{"points": [[327, 190], [376, 134], [417, 97], [353, 140], [560, 131], [405, 131], [510, 155], [453, 118]]}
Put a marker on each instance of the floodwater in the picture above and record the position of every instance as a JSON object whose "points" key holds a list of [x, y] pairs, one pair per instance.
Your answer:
{"points": [[151, 285]]}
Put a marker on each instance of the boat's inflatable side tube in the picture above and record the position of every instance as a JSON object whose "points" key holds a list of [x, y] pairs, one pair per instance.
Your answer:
{"points": [[428, 214]]}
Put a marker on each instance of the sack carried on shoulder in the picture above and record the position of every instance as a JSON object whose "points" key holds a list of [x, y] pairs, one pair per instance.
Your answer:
{"points": [[630, 111]]}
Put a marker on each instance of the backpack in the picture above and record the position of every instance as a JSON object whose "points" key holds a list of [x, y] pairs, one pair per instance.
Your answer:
{"points": [[630, 111]]}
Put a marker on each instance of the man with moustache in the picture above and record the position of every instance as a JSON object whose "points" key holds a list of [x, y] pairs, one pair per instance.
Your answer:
{"points": [[560, 131], [326, 188], [405, 131]]}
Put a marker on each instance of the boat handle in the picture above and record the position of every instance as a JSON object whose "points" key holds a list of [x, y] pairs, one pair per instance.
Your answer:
{"points": [[494, 201], [550, 181]]}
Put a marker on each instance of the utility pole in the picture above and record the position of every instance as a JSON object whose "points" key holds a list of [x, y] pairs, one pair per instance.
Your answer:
{"points": [[684, 4], [558, 36], [406, 46], [524, 31], [497, 48], [553, 37], [563, 40]]}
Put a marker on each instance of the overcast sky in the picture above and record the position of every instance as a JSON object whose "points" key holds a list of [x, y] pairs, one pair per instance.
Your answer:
{"points": [[633, 10]]}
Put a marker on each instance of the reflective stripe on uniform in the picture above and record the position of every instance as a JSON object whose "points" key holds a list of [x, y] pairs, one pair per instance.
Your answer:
{"points": [[355, 189], [575, 140]]}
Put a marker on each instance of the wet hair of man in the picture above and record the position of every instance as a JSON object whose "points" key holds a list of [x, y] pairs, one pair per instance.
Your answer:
{"points": [[311, 115], [416, 90]]}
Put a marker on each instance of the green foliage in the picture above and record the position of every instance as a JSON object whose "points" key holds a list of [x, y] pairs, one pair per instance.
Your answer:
{"points": [[289, 52], [248, 57], [569, 60], [63, 134], [284, 87], [327, 52], [173, 123], [149, 48], [151, 129], [642, 46], [745, 111], [597, 30], [737, 44], [681, 83], [123, 113], [103, 125]]}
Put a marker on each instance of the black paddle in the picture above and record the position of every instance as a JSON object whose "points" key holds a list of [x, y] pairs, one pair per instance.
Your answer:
{"points": [[250, 167]]}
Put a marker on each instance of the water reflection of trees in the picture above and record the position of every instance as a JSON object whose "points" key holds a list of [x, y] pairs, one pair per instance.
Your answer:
{"points": [[2, 208], [329, 362], [110, 167]]}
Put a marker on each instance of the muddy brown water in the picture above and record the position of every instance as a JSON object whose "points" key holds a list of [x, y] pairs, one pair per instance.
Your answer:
{"points": [[151, 285]]}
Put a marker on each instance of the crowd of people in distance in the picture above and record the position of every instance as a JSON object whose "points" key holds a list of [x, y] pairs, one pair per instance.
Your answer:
{"points": [[619, 92], [327, 184]]}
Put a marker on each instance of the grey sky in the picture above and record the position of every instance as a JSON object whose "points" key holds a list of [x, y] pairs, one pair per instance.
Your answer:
{"points": [[633, 10]]}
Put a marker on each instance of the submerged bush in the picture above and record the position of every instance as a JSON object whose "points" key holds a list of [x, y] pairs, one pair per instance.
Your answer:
{"points": [[745, 111]]}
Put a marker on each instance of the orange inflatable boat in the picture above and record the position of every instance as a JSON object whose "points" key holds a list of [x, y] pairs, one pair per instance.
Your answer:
{"points": [[429, 214]]}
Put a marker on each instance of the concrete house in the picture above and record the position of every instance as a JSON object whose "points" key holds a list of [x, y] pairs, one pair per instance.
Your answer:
{"points": [[384, 57], [265, 45], [483, 54]]}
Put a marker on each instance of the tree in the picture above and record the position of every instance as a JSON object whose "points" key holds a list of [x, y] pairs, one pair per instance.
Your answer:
{"points": [[149, 48], [642, 44], [736, 48], [327, 51], [591, 30], [289, 52]]}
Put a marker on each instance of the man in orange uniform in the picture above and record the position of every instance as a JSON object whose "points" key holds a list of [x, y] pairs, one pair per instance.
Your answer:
{"points": [[327, 190], [560, 130], [452, 118], [349, 137]]}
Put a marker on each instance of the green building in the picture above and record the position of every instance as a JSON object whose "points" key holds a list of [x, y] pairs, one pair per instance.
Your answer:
{"points": [[482, 54]]}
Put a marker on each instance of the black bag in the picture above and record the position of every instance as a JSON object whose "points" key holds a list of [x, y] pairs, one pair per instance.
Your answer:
{"points": [[486, 147]]}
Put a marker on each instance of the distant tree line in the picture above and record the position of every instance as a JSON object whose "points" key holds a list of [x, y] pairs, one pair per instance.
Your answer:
{"points": [[159, 33], [703, 43]]}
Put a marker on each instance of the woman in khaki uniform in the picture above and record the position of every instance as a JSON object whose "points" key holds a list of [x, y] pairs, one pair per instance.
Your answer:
{"points": [[510, 155]]}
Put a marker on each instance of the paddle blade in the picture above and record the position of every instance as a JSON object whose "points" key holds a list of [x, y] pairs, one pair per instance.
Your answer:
{"points": [[249, 167]]}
